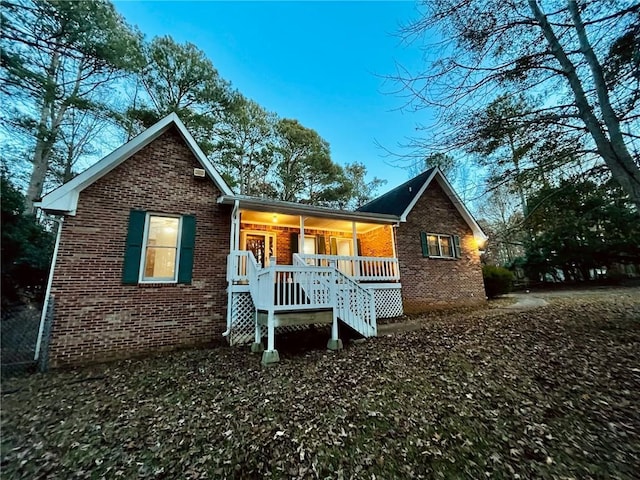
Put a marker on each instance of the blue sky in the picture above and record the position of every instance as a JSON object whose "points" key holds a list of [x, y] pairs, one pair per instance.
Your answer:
{"points": [[322, 63]]}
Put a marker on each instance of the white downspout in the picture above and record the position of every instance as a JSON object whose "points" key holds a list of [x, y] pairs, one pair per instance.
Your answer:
{"points": [[45, 306], [233, 241]]}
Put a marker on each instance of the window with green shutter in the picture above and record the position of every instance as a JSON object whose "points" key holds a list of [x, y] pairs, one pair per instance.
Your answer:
{"points": [[159, 248], [436, 245]]}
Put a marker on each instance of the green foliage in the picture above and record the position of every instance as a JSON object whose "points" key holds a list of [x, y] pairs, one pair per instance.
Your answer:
{"points": [[245, 149], [179, 78], [578, 226], [26, 247], [497, 280], [60, 56], [304, 169]]}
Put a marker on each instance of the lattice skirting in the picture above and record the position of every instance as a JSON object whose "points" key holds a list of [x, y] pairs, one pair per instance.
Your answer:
{"points": [[388, 301], [243, 321]]}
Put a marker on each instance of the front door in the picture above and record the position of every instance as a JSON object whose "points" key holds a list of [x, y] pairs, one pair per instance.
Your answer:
{"points": [[344, 247], [257, 245]]}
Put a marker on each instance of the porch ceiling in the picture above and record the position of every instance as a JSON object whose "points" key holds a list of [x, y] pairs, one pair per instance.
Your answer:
{"points": [[312, 223]]}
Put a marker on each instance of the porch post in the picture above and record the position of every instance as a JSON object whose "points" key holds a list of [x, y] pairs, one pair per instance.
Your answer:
{"points": [[393, 246], [236, 238], [270, 355], [301, 246], [356, 253]]}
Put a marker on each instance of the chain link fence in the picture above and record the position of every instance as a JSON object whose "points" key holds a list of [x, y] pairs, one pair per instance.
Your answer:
{"points": [[19, 336]]}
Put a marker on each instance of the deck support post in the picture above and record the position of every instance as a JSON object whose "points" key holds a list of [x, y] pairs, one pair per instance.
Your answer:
{"points": [[257, 344], [270, 355], [334, 342]]}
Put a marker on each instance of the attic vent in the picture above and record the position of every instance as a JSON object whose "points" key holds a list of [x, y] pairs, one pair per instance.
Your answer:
{"points": [[199, 172]]}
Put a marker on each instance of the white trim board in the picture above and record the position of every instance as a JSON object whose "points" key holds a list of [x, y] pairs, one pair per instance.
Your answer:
{"points": [[453, 196]]}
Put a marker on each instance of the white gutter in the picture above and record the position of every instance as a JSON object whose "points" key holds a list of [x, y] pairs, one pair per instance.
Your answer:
{"points": [[45, 306], [233, 242]]}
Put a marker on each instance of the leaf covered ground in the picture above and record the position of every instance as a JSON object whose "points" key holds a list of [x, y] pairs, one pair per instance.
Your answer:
{"points": [[548, 393]]}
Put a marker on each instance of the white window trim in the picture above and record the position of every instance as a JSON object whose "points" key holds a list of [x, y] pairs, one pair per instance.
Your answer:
{"points": [[452, 246], [145, 239], [265, 233]]}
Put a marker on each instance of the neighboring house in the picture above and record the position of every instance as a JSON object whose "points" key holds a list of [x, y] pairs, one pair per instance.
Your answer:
{"points": [[156, 252]]}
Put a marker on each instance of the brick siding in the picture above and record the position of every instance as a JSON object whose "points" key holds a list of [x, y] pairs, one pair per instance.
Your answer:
{"points": [[96, 316], [429, 283], [377, 242]]}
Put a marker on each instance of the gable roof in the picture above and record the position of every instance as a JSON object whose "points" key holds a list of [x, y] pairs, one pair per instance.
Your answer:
{"points": [[396, 201], [64, 199], [401, 200]]}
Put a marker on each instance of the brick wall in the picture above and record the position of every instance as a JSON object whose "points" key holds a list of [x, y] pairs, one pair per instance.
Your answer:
{"points": [[377, 242], [96, 316], [434, 282]]}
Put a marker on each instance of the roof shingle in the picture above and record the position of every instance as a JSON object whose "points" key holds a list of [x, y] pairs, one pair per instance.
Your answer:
{"points": [[396, 201]]}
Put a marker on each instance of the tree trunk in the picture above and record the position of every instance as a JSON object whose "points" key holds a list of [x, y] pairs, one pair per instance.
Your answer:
{"points": [[612, 149]]}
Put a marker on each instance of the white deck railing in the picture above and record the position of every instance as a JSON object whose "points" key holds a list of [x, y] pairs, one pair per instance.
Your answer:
{"points": [[361, 269], [288, 287], [354, 304]]}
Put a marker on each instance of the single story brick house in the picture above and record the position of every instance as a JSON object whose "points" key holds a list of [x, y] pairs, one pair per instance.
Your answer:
{"points": [[154, 252]]}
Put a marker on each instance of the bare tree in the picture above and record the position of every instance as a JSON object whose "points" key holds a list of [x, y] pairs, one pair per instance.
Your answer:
{"points": [[579, 59]]}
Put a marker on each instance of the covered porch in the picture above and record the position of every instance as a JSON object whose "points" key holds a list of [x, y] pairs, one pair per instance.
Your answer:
{"points": [[289, 263], [360, 245]]}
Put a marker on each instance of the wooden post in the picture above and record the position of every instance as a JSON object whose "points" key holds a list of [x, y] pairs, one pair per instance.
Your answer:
{"points": [[356, 263], [301, 246], [270, 355], [257, 344], [271, 345], [334, 342]]}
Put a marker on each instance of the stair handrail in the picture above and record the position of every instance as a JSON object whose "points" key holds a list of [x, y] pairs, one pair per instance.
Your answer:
{"points": [[365, 305]]}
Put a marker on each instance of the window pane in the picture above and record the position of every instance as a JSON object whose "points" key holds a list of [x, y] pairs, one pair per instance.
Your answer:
{"points": [[445, 243], [160, 263], [163, 232], [434, 248]]}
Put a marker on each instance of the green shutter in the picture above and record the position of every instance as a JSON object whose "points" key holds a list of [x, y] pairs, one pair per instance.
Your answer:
{"points": [[187, 244], [425, 244], [294, 243], [359, 247], [456, 246], [334, 246], [133, 249], [321, 246]]}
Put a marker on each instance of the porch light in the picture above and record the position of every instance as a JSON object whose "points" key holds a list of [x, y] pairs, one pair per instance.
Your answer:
{"points": [[274, 219], [481, 243]]}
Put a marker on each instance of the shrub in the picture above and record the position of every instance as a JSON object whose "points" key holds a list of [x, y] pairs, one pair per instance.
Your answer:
{"points": [[497, 280]]}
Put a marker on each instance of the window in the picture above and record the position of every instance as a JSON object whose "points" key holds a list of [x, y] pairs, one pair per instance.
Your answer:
{"points": [[159, 248], [440, 246]]}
